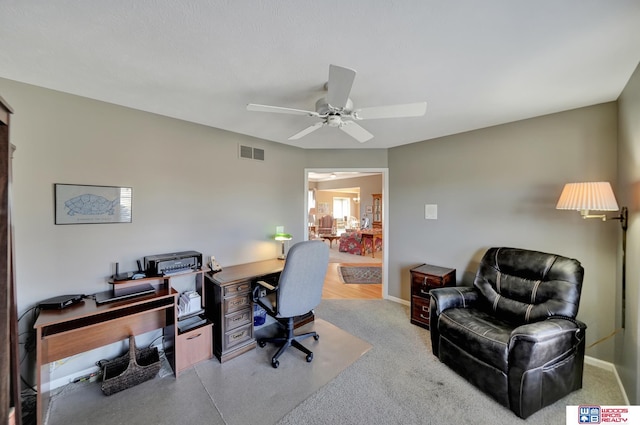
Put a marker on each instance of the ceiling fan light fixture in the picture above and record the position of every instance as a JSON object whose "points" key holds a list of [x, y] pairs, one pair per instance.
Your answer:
{"points": [[336, 109], [334, 121]]}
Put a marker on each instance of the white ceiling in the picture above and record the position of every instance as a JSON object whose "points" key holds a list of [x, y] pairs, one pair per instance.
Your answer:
{"points": [[476, 63]]}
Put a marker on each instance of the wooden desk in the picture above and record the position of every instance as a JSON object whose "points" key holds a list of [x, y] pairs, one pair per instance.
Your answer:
{"points": [[372, 236], [229, 305], [85, 326]]}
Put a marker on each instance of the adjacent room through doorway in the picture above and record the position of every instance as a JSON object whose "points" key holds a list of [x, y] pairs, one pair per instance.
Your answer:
{"points": [[346, 209]]}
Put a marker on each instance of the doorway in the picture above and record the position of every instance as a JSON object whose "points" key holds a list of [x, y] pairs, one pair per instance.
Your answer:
{"points": [[367, 181]]}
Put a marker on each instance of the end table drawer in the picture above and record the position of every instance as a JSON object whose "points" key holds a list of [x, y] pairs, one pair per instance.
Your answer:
{"points": [[420, 310], [426, 280]]}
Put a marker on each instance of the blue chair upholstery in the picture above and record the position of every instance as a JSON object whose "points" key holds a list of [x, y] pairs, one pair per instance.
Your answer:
{"points": [[298, 292]]}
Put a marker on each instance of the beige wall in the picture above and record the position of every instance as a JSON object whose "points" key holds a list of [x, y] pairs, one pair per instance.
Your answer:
{"points": [[626, 343], [498, 187]]}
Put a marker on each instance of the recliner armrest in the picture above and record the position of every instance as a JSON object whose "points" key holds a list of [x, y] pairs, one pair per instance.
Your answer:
{"points": [[443, 299], [453, 297], [537, 344]]}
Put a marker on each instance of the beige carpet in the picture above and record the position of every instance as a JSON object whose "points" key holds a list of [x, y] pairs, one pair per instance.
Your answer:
{"points": [[244, 390]]}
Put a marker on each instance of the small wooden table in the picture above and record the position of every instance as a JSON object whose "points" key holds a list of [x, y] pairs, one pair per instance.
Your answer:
{"points": [[329, 238], [372, 236]]}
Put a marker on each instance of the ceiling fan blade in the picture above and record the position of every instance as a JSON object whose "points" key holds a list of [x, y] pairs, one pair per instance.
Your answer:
{"points": [[280, 110], [355, 131], [339, 85], [306, 131], [391, 111]]}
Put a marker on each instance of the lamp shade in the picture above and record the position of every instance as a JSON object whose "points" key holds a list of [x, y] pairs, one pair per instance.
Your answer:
{"points": [[283, 237], [596, 196]]}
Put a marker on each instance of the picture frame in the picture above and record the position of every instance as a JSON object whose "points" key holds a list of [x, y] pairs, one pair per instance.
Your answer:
{"points": [[87, 204], [369, 209], [323, 208]]}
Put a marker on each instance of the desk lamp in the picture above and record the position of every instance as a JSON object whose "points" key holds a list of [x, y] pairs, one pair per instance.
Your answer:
{"points": [[282, 237]]}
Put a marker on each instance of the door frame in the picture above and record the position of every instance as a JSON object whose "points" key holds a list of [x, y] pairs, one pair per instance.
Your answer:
{"points": [[385, 213]]}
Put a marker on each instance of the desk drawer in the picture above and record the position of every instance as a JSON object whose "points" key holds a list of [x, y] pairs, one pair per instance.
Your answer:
{"points": [[238, 288], [193, 347], [238, 336], [232, 321], [237, 303]]}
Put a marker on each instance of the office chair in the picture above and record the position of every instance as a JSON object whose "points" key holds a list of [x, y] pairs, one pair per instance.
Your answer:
{"points": [[298, 292]]}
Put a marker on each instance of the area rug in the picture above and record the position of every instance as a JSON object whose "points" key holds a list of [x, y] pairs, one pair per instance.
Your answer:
{"points": [[360, 274]]}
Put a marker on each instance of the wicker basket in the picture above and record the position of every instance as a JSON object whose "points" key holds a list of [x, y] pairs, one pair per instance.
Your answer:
{"points": [[131, 369]]}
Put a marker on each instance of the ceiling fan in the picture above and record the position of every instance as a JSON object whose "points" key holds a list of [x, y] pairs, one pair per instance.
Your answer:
{"points": [[336, 109]]}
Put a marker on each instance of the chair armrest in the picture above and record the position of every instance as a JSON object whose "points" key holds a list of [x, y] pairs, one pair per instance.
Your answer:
{"points": [[453, 297], [543, 343], [266, 285]]}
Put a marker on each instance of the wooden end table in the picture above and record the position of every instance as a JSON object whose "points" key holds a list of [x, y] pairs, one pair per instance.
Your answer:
{"points": [[329, 238]]}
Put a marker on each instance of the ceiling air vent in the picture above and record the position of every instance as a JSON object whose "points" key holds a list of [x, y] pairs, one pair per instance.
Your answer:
{"points": [[258, 154]]}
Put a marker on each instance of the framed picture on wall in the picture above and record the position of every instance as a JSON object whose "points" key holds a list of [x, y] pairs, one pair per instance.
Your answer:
{"points": [[369, 209], [84, 204], [323, 208]]}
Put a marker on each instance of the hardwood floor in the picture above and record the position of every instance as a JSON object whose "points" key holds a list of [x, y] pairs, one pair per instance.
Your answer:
{"points": [[334, 288]]}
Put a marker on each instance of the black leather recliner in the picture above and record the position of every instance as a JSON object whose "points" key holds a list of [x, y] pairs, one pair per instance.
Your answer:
{"points": [[514, 334]]}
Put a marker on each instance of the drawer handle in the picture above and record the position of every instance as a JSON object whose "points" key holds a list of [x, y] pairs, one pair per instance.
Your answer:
{"points": [[423, 317], [424, 280], [422, 291], [194, 336], [238, 335], [238, 302], [425, 308], [235, 319]]}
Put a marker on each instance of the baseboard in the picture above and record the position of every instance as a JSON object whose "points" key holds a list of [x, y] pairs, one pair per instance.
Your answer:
{"points": [[611, 368], [398, 300], [67, 379]]}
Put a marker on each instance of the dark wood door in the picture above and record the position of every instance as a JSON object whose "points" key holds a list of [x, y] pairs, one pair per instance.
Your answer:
{"points": [[9, 365]]}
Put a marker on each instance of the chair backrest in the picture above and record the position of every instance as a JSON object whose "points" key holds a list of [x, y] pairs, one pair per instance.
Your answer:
{"points": [[523, 286], [326, 224], [301, 280]]}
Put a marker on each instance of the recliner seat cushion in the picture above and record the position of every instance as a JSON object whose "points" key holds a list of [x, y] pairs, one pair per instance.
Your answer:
{"points": [[483, 336]]}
